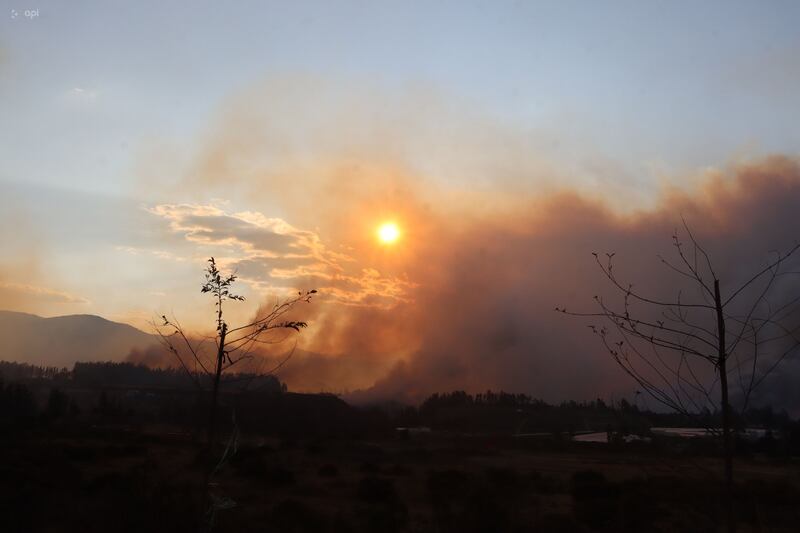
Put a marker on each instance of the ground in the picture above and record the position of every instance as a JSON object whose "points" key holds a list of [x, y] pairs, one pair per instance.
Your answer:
{"points": [[151, 479]]}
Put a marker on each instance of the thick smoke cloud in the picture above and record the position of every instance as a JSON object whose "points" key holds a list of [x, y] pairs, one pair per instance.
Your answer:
{"points": [[483, 316], [480, 313], [478, 273]]}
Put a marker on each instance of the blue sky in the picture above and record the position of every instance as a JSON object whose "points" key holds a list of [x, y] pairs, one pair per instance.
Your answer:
{"points": [[86, 84]]}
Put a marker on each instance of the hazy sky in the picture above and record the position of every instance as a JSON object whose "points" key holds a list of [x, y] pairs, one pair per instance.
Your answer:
{"points": [[87, 86], [137, 138]]}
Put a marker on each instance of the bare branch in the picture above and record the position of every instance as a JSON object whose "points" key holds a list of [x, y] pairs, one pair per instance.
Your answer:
{"points": [[768, 268]]}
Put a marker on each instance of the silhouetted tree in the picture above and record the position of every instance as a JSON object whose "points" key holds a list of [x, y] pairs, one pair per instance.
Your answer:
{"points": [[739, 332], [17, 405], [233, 345], [57, 404]]}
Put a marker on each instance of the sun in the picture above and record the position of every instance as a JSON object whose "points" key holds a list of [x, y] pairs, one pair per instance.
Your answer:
{"points": [[388, 232]]}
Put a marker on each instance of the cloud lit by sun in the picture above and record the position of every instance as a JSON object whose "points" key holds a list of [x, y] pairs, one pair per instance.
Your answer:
{"points": [[388, 233]]}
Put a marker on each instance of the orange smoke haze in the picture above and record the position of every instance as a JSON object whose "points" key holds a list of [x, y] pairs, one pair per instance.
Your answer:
{"points": [[477, 311], [494, 236]]}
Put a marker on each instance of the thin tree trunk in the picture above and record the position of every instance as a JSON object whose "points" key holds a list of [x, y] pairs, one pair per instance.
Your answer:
{"points": [[726, 408], [212, 424], [212, 420]]}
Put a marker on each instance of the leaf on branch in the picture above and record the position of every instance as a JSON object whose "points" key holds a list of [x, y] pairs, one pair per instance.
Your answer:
{"points": [[295, 325]]}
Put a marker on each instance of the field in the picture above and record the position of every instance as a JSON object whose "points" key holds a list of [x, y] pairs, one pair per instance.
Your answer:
{"points": [[117, 478]]}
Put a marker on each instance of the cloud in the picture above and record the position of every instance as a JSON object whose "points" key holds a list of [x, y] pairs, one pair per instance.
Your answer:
{"points": [[80, 94], [35, 294], [27, 282], [272, 256]]}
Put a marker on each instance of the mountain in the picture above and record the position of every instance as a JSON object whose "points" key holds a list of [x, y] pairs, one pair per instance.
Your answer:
{"points": [[63, 340]]}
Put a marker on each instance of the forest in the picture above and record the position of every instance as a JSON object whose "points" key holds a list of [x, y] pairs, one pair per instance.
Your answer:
{"points": [[123, 438]]}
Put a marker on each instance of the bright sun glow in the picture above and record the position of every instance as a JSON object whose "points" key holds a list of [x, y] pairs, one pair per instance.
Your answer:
{"points": [[388, 232]]}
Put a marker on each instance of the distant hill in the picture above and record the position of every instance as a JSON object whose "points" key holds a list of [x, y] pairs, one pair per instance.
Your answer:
{"points": [[63, 340]]}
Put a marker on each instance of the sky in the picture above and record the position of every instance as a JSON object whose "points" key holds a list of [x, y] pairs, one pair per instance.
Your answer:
{"points": [[139, 138]]}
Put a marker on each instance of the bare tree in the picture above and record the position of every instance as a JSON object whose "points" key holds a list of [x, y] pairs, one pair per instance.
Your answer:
{"points": [[232, 345], [690, 351]]}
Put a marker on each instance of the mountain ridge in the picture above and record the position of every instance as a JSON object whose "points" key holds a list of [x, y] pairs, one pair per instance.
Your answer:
{"points": [[63, 340]]}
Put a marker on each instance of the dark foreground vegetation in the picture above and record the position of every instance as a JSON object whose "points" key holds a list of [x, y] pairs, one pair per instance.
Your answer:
{"points": [[108, 447]]}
